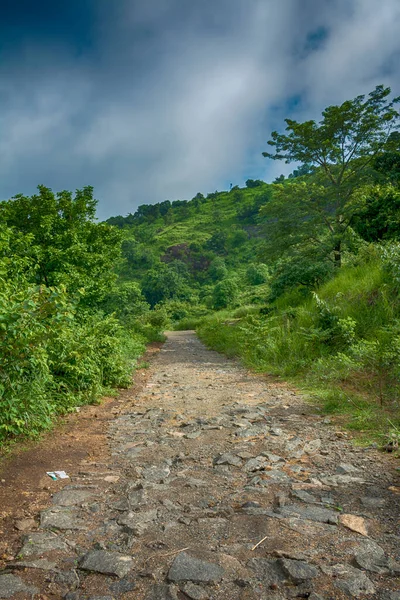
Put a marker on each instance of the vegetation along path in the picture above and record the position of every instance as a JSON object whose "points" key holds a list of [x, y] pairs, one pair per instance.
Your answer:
{"points": [[218, 484]]}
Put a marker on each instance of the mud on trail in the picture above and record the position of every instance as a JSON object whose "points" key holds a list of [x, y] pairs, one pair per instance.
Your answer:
{"points": [[215, 484]]}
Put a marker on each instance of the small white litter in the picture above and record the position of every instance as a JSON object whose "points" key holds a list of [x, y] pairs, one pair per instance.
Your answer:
{"points": [[55, 475]]}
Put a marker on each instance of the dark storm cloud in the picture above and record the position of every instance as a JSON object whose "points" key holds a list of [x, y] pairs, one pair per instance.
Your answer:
{"points": [[156, 99]]}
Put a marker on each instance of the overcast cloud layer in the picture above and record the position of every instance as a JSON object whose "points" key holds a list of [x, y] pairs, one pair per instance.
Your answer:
{"points": [[149, 100]]}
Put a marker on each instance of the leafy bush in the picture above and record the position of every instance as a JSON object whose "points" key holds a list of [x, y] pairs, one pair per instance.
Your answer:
{"points": [[257, 274], [68, 328], [225, 293], [217, 270]]}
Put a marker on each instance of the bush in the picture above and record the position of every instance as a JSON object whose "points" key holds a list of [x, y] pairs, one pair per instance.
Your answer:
{"points": [[217, 270], [68, 329], [225, 293], [257, 274]]}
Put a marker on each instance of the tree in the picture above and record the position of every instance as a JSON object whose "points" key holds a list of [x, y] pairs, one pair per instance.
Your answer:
{"points": [[217, 242], [217, 269], [256, 274], [342, 147], [163, 283], [225, 293], [67, 246], [303, 170], [253, 183], [379, 217]]}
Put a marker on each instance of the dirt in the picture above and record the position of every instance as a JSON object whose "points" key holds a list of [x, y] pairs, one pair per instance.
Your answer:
{"points": [[203, 481]]}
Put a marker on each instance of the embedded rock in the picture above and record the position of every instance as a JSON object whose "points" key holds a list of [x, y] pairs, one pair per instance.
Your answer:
{"points": [[189, 568], [11, 585], [108, 563]]}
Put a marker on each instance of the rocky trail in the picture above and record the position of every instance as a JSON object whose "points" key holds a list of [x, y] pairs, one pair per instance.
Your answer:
{"points": [[220, 485]]}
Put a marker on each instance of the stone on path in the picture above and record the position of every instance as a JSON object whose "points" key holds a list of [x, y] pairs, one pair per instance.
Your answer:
{"points": [[38, 543], [273, 458], [136, 497], [313, 446], [277, 431], [298, 570], [253, 431], [372, 502], [341, 480], [11, 585], [354, 523], [60, 518], [350, 580], [227, 459], [304, 496], [189, 568], [71, 497], [40, 563], [122, 586], [138, 523], [25, 524], [310, 513], [255, 464], [346, 469], [156, 474], [372, 558], [192, 435], [270, 572], [107, 563]]}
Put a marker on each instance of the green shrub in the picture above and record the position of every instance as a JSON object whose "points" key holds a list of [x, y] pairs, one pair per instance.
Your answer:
{"points": [[225, 293], [257, 274], [68, 328]]}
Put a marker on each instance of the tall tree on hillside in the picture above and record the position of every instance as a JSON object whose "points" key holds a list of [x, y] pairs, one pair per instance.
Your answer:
{"points": [[342, 148]]}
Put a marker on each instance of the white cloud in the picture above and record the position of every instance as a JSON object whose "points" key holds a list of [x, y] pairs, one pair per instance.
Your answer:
{"points": [[182, 97], [356, 54]]}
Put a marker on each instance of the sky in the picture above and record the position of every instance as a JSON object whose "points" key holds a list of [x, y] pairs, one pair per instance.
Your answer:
{"points": [[152, 100]]}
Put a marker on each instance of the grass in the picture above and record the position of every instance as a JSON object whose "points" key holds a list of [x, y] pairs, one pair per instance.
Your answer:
{"points": [[325, 347]]}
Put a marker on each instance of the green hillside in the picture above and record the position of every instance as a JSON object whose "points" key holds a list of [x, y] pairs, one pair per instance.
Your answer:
{"points": [[179, 251]]}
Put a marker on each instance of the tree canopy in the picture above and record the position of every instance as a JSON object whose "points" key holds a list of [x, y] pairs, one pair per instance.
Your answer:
{"points": [[342, 148]]}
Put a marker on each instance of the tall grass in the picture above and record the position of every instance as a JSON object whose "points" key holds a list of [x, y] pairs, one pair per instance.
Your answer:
{"points": [[343, 342]]}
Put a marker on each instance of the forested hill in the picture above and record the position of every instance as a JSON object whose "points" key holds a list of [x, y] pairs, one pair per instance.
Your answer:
{"points": [[180, 250]]}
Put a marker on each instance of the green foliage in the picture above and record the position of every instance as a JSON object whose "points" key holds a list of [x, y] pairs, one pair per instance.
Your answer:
{"points": [[66, 245], [165, 282], [256, 274], [342, 147], [68, 328], [301, 272], [253, 183], [225, 293], [378, 218], [179, 310], [217, 269], [343, 340]]}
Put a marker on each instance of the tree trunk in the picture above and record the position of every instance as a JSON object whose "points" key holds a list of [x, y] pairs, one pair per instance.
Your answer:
{"points": [[337, 253]]}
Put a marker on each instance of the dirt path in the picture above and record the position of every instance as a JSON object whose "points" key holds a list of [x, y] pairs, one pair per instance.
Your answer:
{"points": [[205, 463]]}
